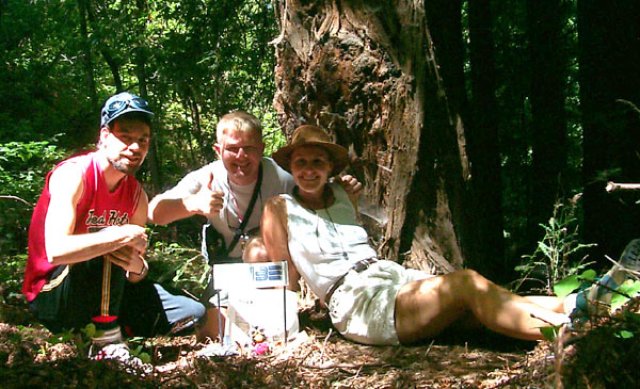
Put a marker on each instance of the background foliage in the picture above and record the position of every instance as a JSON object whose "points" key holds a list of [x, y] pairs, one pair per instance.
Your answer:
{"points": [[195, 60], [59, 60], [23, 166]]}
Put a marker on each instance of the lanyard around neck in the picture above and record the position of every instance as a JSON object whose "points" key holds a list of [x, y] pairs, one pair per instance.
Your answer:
{"points": [[247, 215]]}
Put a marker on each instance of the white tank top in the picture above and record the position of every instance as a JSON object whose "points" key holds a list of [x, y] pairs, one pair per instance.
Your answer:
{"points": [[324, 244]]}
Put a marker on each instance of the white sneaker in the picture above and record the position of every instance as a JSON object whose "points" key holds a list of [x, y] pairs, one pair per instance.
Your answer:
{"points": [[119, 352], [596, 300], [630, 258], [114, 351], [109, 346]]}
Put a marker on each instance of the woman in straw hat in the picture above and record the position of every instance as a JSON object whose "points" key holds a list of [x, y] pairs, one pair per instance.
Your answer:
{"points": [[375, 301]]}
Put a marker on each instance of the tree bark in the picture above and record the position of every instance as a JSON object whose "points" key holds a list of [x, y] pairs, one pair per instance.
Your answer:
{"points": [[366, 72]]}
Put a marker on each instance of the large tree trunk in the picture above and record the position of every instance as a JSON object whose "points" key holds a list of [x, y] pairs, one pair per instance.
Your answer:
{"points": [[367, 73], [485, 214], [548, 59], [609, 52], [445, 30]]}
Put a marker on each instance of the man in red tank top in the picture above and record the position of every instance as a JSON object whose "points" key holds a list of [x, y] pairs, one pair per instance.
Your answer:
{"points": [[87, 241]]}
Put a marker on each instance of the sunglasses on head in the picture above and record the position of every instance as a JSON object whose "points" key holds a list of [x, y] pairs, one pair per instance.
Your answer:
{"points": [[120, 105]]}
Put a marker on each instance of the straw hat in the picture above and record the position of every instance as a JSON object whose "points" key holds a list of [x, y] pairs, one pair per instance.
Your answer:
{"points": [[308, 135]]}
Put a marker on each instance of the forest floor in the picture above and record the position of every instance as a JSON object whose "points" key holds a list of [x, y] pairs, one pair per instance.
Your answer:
{"points": [[320, 358], [31, 357]]}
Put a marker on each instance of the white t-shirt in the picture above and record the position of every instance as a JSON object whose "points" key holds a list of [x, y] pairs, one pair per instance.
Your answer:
{"points": [[275, 181]]}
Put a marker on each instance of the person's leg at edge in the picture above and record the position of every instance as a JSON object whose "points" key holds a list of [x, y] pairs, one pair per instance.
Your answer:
{"points": [[75, 297], [425, 308], [149, 309], [182, 312]]}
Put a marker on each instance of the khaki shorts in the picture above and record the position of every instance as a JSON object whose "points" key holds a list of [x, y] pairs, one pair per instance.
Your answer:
{"points": [[362, 309]]}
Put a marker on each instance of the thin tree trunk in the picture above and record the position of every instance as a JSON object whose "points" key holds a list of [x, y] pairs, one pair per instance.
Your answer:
{"points": [[188, 135], [108, 58], [196, 128], [87, 57], [140, 59]]}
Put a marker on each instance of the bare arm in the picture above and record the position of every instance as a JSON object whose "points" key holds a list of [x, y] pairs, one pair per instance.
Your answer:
{"points": [[276, 237], [63, 246], [131, 258], [164, 209]]}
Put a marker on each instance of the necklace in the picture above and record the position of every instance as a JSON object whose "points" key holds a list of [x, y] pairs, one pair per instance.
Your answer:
{"points": [[232, 200], [326, 199], [239, 234], [331, 236]]}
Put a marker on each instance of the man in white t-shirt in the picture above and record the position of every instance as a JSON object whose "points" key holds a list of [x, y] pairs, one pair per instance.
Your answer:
{"points": [[222, 190]]}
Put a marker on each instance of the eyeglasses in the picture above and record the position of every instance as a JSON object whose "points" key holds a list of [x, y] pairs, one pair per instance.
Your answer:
{"points": [[235, 150]]}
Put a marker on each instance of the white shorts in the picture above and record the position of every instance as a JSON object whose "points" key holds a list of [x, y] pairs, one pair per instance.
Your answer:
{"points": [[362, 309]]}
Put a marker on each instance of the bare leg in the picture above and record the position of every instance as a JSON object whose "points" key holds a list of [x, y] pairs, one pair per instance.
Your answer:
{"points": [[551, 303], [425, 308], [255, 251], [209, 327]]}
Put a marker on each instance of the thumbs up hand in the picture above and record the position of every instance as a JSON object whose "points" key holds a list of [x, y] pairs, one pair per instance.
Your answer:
{"points": [[206, 201]]}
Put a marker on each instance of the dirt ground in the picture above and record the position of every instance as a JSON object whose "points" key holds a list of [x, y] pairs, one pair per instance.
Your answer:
{"points": [[31, 357], [603, 354]]}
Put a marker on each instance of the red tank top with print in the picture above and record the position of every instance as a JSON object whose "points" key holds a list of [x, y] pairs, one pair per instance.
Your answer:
{"points": [[96, 209]]}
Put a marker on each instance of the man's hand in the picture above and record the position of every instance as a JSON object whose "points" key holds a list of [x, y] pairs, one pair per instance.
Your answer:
{"points": [[206, 202], [128, 258], [133, 236]]}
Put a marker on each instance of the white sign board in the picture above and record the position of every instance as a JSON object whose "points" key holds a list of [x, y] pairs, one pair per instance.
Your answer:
{"points": [[232, 276]]}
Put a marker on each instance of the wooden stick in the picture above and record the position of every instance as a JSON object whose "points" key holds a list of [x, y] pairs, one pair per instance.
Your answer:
{"points": [[9, 197], [615, 186]]}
